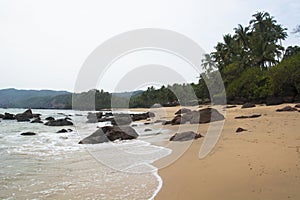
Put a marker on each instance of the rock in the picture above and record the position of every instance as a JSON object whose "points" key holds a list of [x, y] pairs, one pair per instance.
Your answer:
{"points": [[8, 116], [230, 106], [249, 116], [142, 116], [185, 136], [68, 118], [206, 115], [296, 106], [1, 116], [62, 131], [178, 120], [37, 120], [28, 133], [248, 105], [110, 133], [70, 130], [147, 130], [22, 118], [286, 109], [238, 130], [120, 121], [36, 115], [50, 118], [182, 111], [94, 117], [272, 101], [59, 122], [78, 115]]}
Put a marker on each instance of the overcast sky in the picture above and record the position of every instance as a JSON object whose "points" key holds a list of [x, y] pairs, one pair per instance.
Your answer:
{"points": [[43, 43]]}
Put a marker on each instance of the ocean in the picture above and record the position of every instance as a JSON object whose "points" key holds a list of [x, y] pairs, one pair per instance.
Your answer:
{"points": [[53, 165]]}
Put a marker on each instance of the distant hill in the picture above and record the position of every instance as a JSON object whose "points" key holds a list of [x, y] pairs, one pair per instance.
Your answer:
{"points": [[13, 98], [47, 99]]}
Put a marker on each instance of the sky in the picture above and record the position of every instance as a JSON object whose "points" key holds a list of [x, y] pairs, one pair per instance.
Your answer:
{"points": [[43, 43]]}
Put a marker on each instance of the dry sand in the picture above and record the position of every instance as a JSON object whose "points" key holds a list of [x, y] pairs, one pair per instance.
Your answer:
{"points": [[261, 163]]}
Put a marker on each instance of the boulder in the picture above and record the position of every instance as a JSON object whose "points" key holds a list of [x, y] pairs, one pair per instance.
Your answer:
{"points": [[1, 116], [206, 115], [62, 131], [248, 105], [286, 109], [28, 133], [37, 120], [120, 121], [22, 118], [94, 117], [178, 120], [230, 106], [296, 106], [249, 116], [59, 122], [8, 116], [182, 111], [239, 129], [272, 101], [142, 116], [185, 136], [50, 118], [110, 133]]}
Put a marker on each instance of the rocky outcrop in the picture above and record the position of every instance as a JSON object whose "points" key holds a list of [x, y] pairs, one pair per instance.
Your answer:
{"points": [[28, 133], [110, 133], [59, 122], [37, 120], [49, 118], [185, 136], [8, 116], [182, 111], [249, 116], [94, 117], [64, 130], [239, 130], [248, 105], [272, 101], [286, 109]]}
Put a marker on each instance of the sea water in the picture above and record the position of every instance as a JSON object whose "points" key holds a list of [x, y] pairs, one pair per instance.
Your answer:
{"points": [[53, 165]]}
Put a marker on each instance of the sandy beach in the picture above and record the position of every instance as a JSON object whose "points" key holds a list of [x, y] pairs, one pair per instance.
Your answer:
{"points": [[260, 163]]}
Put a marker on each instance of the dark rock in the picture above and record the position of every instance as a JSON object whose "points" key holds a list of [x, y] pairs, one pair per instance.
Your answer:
{"points": [[94, 117], [230, 106], [134, 125], [182, 111], [286, 109], [178, 120], [22, 118], [68, 118], [185, 136], [50, 118], [147, 129], [142, 116], [272, 101], [28, 133], [147, 123], [122, 120], [296, 106], [249, 116], [110, 133], [206, 115], [248, 105], [37, 120], [70, 130], [238, 130], [8, 116], [36, 115], [59, 122], [166, 122], [78, 115], [1, 116], [62, 131]]}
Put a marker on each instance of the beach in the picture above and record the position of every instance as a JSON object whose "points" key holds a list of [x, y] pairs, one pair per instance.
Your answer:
{"points": [[260, 163]]}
